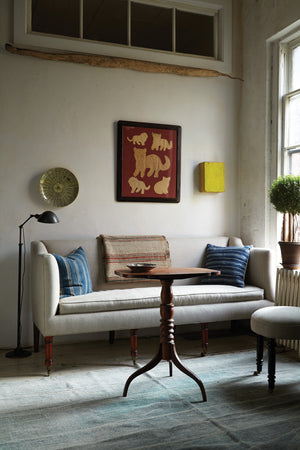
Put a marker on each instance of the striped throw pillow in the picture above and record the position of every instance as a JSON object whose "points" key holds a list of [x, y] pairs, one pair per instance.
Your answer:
{"points": [[231, 261], [74, 274]]}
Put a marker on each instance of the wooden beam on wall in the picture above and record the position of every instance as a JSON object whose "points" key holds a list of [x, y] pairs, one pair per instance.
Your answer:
{"points": [[120, 63]]}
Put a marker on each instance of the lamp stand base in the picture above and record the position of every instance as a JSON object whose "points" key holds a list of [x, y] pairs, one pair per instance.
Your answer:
{"points": [[18, 353]]}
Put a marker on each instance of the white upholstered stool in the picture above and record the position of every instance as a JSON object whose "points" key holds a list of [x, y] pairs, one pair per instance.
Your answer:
{"points": [[274, 322]]}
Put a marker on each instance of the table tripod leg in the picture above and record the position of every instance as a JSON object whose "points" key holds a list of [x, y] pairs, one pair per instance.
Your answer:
{"points": [[157, 358], [183, 369]]}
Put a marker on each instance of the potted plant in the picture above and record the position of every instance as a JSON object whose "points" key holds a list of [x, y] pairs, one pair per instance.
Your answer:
{"points": [[285, 197]]}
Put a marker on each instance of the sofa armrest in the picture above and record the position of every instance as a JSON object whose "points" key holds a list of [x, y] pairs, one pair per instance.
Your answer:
{"points": [[45, 286], [261, 271]]}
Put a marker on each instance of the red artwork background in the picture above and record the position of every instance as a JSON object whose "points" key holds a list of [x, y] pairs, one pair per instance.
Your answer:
{"points": [[150, 159]]}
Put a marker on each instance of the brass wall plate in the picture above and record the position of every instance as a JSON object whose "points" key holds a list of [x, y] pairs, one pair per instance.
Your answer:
{"points": [[59, 186]]}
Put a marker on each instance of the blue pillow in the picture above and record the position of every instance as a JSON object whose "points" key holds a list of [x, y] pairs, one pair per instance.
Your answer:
{"points": [[231, 261], [74, 274]]}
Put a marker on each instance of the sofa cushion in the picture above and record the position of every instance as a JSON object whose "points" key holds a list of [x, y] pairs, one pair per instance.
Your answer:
{"points": [[137, 298], [231, 261], [74, 274]]}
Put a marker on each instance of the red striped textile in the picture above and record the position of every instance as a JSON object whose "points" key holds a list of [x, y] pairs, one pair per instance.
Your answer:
{"points": [[122, 250]]}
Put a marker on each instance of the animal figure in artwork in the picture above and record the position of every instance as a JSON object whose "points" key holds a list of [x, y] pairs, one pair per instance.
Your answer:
{"points": [[138, 139], [151, 162], [160, 143], [162, 186], [137, 186]]}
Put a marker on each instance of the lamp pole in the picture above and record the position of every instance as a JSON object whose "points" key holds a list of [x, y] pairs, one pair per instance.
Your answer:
{"points": [[45, 217]]}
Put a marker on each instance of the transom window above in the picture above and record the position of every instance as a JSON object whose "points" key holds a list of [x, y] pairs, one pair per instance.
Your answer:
{"points": [[128, 22], [184, 32]]}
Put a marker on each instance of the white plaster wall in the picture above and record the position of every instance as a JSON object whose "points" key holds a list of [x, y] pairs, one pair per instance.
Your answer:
{"points": [[64, 115], [261, 20]]}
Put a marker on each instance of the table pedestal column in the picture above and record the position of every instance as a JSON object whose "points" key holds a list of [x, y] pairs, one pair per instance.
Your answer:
{"points": [[166, 350], [166, 321]]}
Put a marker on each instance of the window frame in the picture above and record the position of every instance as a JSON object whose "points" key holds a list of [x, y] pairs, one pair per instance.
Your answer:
{"points": [[277, 54], [220, 9], [287, 93]]}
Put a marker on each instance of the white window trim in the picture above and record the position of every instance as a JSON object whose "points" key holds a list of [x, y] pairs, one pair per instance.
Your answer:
{"points": [[220, 8]]}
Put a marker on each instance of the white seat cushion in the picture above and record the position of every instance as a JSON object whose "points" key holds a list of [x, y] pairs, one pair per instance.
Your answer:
{"points": [[281, 322], [137, 298]]}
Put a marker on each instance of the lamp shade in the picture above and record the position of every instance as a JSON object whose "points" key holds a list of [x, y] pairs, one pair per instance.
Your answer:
{"points": [[47, 217]]}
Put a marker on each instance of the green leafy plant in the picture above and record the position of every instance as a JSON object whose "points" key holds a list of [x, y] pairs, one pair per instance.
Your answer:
{"points": [[285, 197]]}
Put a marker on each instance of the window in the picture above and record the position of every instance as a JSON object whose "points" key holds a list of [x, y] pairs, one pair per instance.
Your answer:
{"points": [[128, 23], [283, 112], [151, 27], [105, 21], [56, 17], [194, 33], [184, 32], [291, 109]]}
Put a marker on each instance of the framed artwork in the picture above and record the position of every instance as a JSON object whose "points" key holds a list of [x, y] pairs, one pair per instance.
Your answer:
{"points": [[148, 162]]}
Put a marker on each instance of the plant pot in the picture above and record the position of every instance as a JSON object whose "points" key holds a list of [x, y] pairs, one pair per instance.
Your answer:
{"points": [[290, 254]]}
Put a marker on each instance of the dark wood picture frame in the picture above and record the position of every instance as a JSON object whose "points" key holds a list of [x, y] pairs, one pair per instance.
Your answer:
{"points": [[148, 162]]}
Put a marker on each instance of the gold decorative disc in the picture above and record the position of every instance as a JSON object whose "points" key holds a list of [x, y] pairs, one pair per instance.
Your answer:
{"points": [[59, 187]]}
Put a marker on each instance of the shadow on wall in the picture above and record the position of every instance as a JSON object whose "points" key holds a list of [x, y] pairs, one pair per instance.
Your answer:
{"points": [[9, 296], [34, 192], [196, 180]]}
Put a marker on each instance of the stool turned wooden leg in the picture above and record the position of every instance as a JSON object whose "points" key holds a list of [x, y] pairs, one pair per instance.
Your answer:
{"points": [[271, 363], [259, 354], [48, 350], [133, 345], [204, 337], [36, 338], [111, 337]]}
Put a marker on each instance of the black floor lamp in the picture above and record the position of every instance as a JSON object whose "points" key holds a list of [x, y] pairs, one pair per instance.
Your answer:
{"points": [[45, 217]]}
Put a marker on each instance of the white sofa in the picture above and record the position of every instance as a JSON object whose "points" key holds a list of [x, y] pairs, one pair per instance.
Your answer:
{"points": [[116, 307]]}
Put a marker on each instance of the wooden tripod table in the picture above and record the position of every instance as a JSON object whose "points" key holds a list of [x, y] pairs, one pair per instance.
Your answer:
{"points": [[166, 350]]}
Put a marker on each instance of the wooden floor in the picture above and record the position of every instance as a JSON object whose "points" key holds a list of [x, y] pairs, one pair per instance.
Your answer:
{"points": [[88, 354]]}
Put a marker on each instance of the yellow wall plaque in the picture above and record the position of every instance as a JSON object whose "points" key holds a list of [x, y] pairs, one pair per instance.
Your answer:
{"points": [[212, 177]]}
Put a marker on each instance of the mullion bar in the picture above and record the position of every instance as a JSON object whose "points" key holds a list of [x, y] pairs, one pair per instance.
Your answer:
{"points": [[129, 23], [81, 20]]}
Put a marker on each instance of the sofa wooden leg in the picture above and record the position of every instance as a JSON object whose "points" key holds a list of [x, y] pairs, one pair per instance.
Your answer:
{"points": [[48, 350], [204, 337], [111, 337], [36, 338], [133, 345]]}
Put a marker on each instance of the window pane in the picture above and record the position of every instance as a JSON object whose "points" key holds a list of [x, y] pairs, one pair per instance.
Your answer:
{"points": [[56, 17], [151, 27], [293, 123], [105, 20], [294, 162], [194, 33], [296, 69]]}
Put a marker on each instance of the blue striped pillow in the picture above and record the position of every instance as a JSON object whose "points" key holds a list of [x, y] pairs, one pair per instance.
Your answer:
{"points": [[231, 261], [74, 274]]}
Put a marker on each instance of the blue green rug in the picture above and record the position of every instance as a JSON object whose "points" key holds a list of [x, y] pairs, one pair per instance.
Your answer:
{"points": [[81, 405]]}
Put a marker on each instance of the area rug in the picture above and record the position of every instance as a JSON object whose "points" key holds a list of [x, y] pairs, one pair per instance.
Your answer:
{"points": [[80, 406]]}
